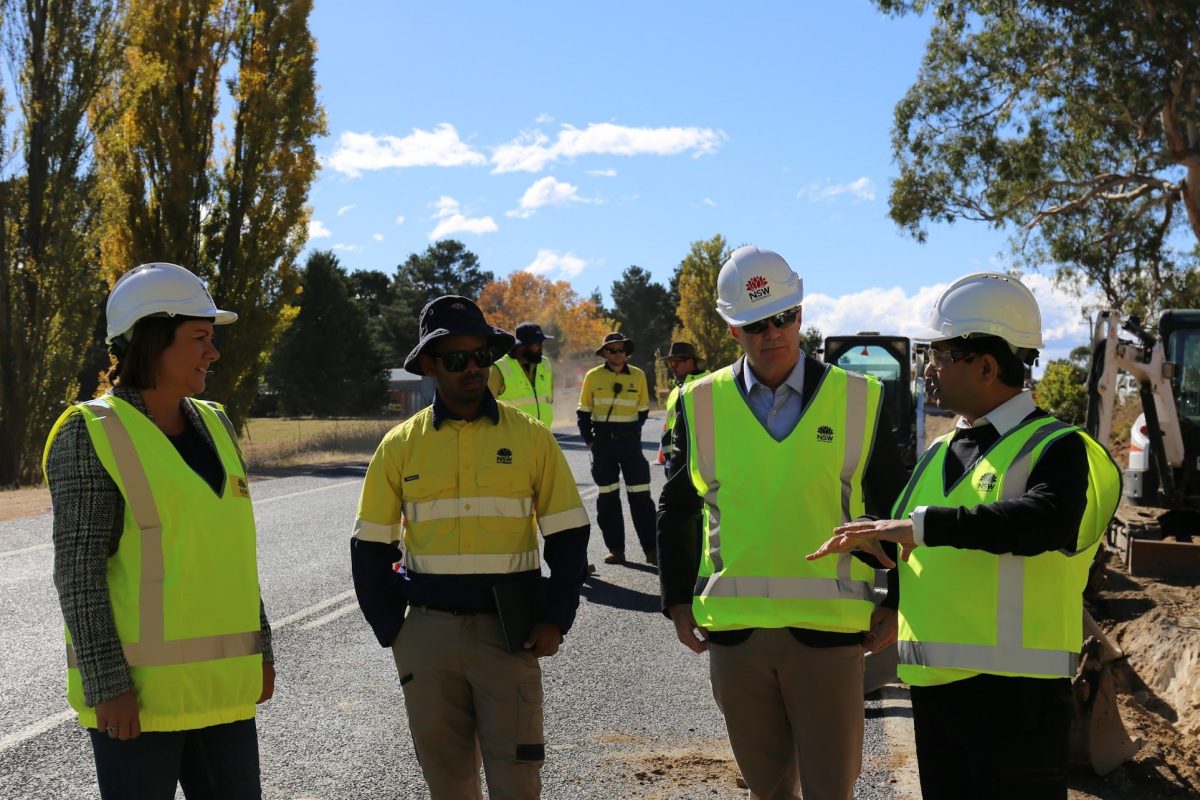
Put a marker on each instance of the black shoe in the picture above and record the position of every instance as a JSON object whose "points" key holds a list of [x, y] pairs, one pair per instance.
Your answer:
{"points": [[591, 569], [652, 559], [614, 558]]}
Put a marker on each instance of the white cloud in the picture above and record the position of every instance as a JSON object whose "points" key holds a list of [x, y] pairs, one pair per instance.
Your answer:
{"points": [[377, 237], [894, 311], [454, 221], [548, 191], [708, 201], [344, 210], [441, 147], [400, 220], [564, 265], [602, 173], [532, 151], [347, 248], [544, 119], [317, 229], [860, 189]]}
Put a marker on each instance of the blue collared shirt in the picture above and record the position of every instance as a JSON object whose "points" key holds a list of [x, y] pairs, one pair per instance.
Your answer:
{"points": [[778, 410]]}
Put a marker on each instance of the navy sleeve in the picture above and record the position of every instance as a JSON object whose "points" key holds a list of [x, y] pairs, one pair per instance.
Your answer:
{"points": [[379, 588], [679, 521], [565, 554], [584, 420]]}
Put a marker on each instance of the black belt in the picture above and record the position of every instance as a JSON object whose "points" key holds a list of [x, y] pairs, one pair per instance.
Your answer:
{"points": [[458, 612]]}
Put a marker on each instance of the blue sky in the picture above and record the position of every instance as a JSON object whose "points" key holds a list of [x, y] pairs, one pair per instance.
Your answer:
{"points": [[575, 140]]}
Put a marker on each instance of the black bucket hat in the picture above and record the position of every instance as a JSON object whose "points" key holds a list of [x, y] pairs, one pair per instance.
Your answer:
{"points": [[616, 338], [530, 333], [682, 350], [452, 315]]}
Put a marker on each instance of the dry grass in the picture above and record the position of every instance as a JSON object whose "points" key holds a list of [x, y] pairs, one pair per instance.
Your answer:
{"points": [[269, 443]]}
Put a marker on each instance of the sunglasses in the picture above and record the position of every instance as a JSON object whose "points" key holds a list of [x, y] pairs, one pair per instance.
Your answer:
{"points": [[780, 320], [941, 359], [614, 350], [456, 360]]}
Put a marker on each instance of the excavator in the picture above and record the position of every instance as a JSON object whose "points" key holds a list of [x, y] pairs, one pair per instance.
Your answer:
{"points": [[1154, 526]]}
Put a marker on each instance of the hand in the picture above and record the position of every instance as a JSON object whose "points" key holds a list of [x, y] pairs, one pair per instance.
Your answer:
{"points": [[866, 536], [118, 717], [589, 444], [883, 629], [268, 689], [686, 629], [544, 639]]}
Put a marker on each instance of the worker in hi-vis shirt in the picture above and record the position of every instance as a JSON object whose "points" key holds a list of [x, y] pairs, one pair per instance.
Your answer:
{"points": [[447, 522]]}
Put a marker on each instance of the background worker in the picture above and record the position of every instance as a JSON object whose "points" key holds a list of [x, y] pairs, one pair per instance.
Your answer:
{"points": [[614, 403], [450, 508], [771, 452], [685, 368], [523, 378], [168, 645], [998, 526]]}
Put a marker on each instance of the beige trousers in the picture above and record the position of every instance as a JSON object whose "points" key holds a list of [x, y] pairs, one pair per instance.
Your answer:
{"points": [[794, 714], [470, 700]]}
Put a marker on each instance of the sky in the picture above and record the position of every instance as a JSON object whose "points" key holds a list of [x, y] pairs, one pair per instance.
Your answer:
{"points": [[575, 140]]}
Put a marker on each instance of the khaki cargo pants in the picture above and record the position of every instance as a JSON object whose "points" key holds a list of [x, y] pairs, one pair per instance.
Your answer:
{"points": [[470, 700]]}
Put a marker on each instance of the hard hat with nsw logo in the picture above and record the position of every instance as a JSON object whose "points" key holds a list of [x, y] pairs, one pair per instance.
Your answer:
{"points": [[159, 289], [986, 303], [755, 284]]}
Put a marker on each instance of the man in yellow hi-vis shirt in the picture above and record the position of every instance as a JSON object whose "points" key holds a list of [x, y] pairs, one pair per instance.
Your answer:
{"points": [[447, 524], [614, 403]]}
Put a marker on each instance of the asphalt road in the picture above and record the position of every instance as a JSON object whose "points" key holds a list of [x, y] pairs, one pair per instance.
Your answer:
{"points": [[629, 712]]}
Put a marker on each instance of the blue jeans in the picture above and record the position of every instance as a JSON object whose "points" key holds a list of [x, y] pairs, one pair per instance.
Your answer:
{"points": [[219, 762]]}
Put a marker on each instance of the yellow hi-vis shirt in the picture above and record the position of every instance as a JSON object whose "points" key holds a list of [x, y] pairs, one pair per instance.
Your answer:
{"points": [[468, 497], [183, 583], [600, 397]]}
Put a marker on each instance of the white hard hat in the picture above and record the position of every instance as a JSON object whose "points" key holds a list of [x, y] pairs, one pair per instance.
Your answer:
{"points": [[159, 288], [988, 303], [755, 284]]}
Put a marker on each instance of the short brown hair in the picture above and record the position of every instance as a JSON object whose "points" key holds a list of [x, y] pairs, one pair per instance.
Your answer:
{"points": [[137, 358]]}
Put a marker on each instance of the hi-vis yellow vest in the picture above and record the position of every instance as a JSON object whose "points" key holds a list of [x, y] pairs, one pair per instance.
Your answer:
{"points": [[966, 612], [666, 446], [535, 400], [184, 581], [767, 504]]}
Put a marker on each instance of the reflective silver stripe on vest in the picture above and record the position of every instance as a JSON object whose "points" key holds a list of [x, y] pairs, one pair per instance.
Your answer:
{"points": [[151, 650], [982, 658], [856, 425], [784, 588], [926, 459], [706, 462], [1007, 655], [186, 651]]}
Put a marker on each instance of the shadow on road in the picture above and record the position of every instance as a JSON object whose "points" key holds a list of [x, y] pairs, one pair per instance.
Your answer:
{"points": [[601, 592], [352, 469]]}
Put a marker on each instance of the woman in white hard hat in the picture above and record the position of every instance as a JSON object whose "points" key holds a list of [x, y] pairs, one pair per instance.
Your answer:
{"points": [[168, 645]]}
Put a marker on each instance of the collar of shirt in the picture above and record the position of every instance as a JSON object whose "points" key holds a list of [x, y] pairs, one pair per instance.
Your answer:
{"points": [[624, 370], [488, 409], [1005, 416], [794, 380]]}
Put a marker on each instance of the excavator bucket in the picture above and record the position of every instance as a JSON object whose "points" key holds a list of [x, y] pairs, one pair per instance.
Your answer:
{"points": [[1098, 736]]}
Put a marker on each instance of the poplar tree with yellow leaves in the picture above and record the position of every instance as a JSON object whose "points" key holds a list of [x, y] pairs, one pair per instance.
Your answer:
{"points": [[231, 209], [700, 324], [61, 55]]}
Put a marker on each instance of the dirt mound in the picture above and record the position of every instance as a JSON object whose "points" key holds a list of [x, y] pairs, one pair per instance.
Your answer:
{"points": [[1157, 624]]}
